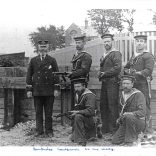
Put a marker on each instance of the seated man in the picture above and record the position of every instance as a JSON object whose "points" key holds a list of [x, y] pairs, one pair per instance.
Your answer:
{"points": [[132, 117], [84, 110]]}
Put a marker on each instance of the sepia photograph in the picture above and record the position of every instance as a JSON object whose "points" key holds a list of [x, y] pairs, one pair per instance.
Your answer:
{"points": [[78, 77]]}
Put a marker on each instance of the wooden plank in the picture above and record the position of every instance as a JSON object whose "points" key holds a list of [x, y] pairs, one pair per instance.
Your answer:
{"points": [[27, 103], [1, 103], [153, 103], [153, 94], [153, 123], [13, 71], [153, 108], [1, 117], [1, 93], [153, 100], [2, 111], [153, 111], [13, 82]]}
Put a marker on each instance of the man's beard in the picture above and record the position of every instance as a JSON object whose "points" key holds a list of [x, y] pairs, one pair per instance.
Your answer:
{"points": [[43, 52], [126, 90], [79, 48], [139, 48], [79, 92], [107, 47]]}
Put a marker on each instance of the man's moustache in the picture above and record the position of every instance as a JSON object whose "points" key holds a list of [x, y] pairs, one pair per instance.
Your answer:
{"points": [[125, 88], [78, 47], [76, 92], [43, 50], [107, 46]]}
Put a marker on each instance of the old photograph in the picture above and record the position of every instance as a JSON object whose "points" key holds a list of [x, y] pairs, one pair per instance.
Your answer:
{"points": [[76, 74]]}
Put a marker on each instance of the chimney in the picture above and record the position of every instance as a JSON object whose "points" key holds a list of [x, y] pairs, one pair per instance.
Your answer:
{"points": [[86, 23], [154, 19]]}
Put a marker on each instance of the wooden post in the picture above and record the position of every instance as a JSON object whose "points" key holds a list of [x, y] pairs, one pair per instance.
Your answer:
{"points": [[9, 107], [62, 101]]}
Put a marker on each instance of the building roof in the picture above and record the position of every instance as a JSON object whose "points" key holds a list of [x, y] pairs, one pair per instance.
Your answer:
{"points": [[88, 31]]}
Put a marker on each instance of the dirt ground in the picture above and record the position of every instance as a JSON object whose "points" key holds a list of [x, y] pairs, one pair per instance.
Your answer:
{"points": [[22, 135]]}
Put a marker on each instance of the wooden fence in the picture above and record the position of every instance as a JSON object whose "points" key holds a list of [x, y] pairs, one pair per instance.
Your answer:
{"points": [[125, 44]]}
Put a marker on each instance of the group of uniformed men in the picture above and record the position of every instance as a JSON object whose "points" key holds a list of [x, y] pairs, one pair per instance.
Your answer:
{"points": [[125, 96]]}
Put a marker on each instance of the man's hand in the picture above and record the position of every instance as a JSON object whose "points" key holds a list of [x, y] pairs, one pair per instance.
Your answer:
{"points": [[101, 59], [74, 112], [118, 121], [29, 94], [138, 73], [69, 74], [56, 93], [100, 74]]}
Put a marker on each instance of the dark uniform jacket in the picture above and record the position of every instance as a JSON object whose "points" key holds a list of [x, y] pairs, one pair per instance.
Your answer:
{"points": [[135, 103], [81, 65], [111, 65], [143, 63], [40, 75], [86, 103]]}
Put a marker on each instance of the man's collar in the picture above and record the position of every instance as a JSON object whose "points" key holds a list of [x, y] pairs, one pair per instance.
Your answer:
{"points": [[106, 53], [113, 49], [80, 52], [43, 55], [133, 91]]}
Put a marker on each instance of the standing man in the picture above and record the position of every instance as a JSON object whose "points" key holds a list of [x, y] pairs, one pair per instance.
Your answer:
{"points": [[110, 67], [81, 64], [41, 84], [132, 113], [83, 113], [141, 66]]}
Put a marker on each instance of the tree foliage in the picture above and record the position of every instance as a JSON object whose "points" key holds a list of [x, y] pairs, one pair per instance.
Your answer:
{"points": [[105, 20], [128, 17], [54, 35]]}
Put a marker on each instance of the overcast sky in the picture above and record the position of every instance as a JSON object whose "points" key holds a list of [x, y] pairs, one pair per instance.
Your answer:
{"points": [[20, 17]]}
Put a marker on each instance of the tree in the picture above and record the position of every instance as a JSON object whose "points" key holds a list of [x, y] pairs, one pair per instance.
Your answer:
{"points": [[54, 35], [128, 17], [105, 19]]}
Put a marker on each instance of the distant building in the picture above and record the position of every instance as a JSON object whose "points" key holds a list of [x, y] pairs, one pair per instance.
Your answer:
{"points": [[75, 30]]}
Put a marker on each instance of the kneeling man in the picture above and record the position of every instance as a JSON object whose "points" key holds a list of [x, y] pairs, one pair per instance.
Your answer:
{"points": [[83, 113], [132, 117]]}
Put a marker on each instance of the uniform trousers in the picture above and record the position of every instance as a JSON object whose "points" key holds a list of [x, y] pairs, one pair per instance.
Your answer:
{"points": [[83, 128], [129, 129], [109, 106], [44, 103]]}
